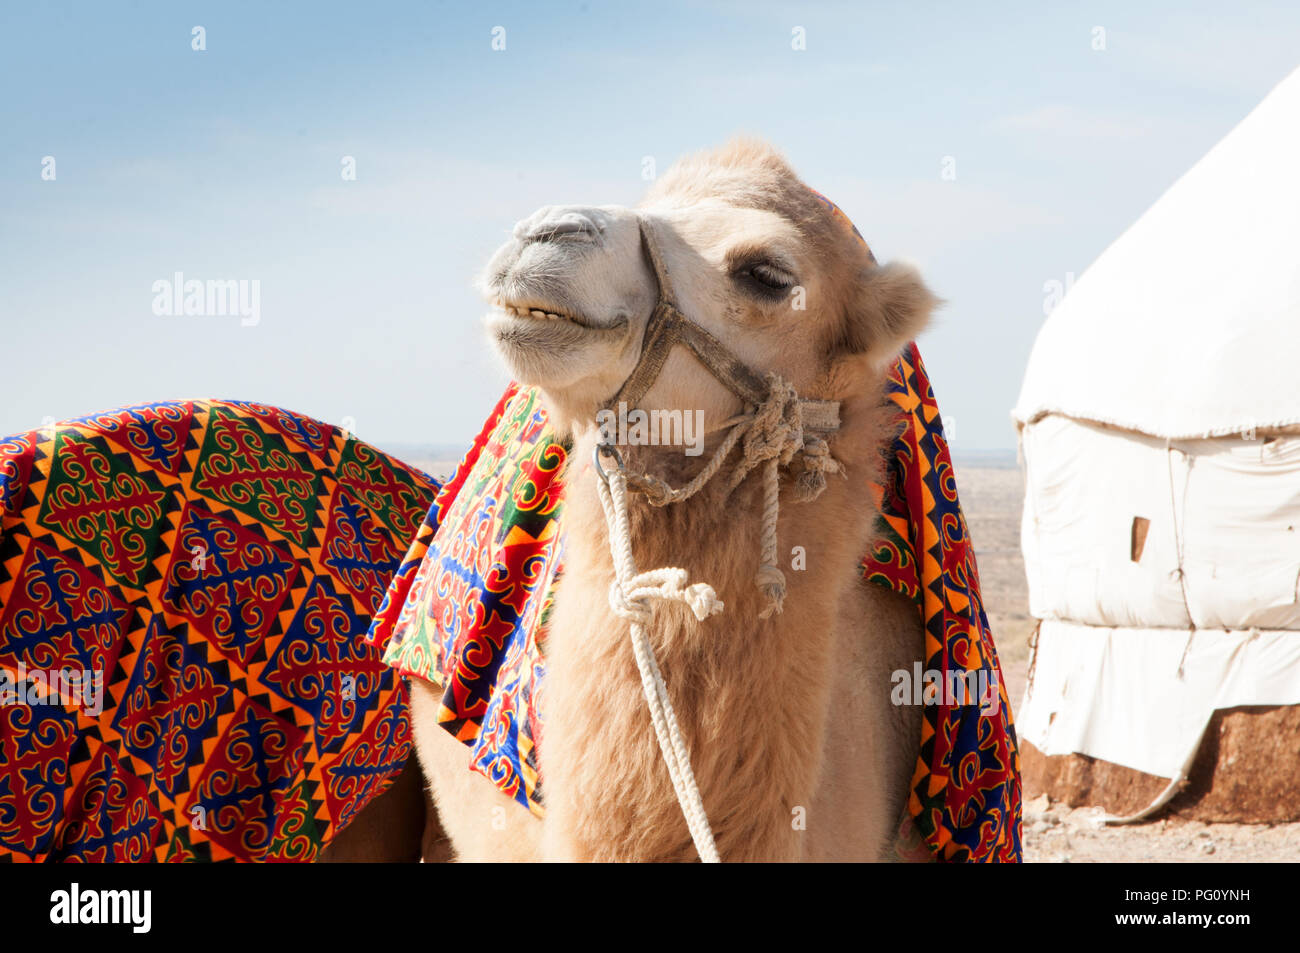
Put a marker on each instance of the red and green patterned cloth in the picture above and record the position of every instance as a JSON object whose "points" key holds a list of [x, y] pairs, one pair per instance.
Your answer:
{"points": [[468, 607], [219, 564]]}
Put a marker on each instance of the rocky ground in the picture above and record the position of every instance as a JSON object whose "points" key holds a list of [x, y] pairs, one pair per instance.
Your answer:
{"points": [[1055, 834]]}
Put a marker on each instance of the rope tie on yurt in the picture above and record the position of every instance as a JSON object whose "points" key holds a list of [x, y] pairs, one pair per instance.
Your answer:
{"points": [[770, 436], [1179, 549], [1177, 782]]}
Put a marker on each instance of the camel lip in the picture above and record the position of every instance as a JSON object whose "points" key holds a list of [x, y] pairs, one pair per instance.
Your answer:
{"points": [[531, 310]]}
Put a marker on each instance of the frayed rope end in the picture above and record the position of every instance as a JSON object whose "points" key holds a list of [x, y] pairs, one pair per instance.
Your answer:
{"points": [[771, 583]]}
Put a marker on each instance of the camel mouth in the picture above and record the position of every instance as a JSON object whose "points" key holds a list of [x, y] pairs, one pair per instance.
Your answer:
{"points": [[542, 312], [536, 311]]}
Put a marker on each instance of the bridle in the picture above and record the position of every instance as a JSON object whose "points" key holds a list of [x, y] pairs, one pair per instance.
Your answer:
{"points": [[668, 327], [777, 426]]}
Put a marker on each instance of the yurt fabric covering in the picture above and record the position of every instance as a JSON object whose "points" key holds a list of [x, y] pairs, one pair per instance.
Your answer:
{"points": [[1160, 430], [1187, 325]]}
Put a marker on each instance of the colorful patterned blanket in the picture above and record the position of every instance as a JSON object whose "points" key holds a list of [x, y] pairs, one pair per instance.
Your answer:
{"points": [[185, 590], [468, 608], [185, 594]]}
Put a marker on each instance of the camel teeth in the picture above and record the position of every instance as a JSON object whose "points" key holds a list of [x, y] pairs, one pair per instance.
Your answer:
{"points": [[523, 312]]}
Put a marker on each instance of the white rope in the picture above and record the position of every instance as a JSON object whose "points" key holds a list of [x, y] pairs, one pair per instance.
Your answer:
{"points": [[770, 436], [773, 433], [628, 598]]}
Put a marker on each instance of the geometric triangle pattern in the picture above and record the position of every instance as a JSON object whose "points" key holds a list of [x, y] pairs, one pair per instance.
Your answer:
{"points": [[213, 566], [468, 609], [965, 797]]}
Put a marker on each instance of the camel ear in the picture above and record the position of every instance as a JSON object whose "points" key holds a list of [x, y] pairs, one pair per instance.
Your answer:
{"points": [[891, 306]]}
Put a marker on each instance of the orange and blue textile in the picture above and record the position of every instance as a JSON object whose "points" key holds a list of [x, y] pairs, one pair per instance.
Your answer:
{"points": [[965, 797], [217, 564], [468, 608]]}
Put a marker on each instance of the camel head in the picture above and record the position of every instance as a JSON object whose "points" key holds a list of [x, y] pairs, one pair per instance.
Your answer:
{"points": [[753, 256]]}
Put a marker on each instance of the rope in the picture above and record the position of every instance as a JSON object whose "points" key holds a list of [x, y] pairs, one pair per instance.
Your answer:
{"points": [[1179, 546], [629, 597], [772, 434]]}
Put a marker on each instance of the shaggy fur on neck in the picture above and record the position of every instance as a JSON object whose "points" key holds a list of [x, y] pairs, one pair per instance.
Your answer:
{"points": [[751, 695]]}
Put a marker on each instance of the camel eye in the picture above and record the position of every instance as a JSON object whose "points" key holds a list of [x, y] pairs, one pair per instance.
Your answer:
{"points": [[765, 279]]}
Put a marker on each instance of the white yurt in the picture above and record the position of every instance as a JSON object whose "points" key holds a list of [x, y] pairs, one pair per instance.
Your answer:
{"points": [[1159, 425]]}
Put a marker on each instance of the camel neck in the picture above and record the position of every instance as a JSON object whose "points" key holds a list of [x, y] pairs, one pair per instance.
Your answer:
{"points": [[726, 676]]}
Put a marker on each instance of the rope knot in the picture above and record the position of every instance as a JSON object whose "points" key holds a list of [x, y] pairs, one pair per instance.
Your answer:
{"points": [[769, 436], [657, 492], [771, 582], [633, 610], [702, 600], [630, 598], [776, 431], [817, 463]]}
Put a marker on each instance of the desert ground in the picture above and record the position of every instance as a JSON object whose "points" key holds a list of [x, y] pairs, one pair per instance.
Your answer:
{"points": [[991, 497]]}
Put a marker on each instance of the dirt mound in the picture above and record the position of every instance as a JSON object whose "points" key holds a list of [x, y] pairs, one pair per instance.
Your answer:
{"points": [[1247, 770]]}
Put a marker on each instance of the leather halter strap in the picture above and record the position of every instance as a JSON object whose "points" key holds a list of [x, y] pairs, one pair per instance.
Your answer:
{"points": [[668, 327]]}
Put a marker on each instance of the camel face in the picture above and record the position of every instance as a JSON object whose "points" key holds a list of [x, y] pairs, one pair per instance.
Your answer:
{"points": [[570, 298], [752, 256]]}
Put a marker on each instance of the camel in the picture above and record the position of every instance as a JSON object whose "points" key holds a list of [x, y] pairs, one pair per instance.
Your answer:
{"points": [[796, 748]]}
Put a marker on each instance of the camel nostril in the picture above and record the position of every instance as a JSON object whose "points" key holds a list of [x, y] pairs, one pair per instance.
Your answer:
{"points": [[558, 226]]}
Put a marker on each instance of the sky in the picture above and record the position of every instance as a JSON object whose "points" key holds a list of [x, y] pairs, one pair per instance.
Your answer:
{"points": [[1000, 152]]}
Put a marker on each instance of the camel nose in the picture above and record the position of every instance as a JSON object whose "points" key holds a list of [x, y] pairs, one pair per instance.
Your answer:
{"points": [[560, 223]]}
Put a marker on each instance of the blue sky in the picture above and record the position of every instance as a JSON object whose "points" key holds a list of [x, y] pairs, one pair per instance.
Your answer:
{"points": [[225, 164]]}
